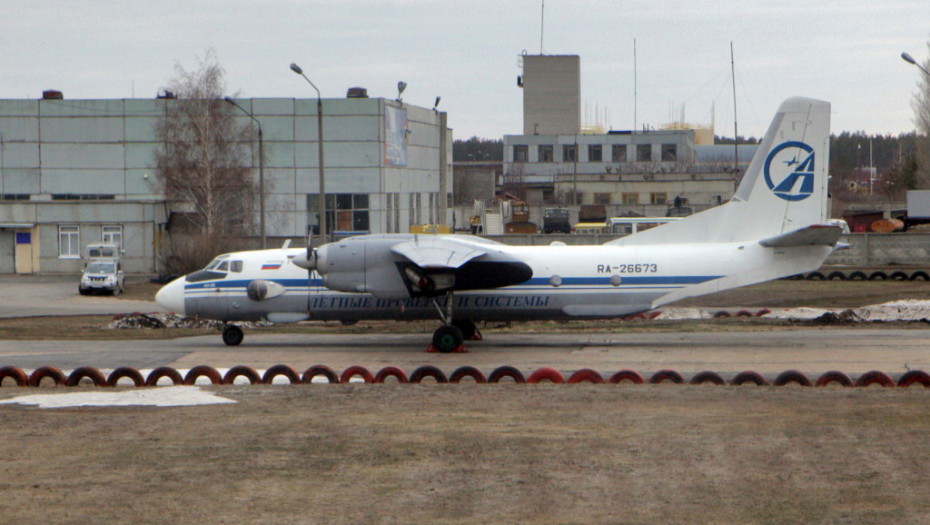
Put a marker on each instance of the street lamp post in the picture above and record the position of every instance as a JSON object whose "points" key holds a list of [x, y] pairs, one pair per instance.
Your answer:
{"points": [[909, 58], [319, 116], [261, 172]]}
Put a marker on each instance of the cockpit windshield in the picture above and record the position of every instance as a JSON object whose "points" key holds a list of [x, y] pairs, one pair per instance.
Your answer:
{"points": [[216, 270]]}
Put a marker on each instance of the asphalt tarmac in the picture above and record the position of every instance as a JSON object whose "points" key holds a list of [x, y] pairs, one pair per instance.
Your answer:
{"points": [[769, 352]]}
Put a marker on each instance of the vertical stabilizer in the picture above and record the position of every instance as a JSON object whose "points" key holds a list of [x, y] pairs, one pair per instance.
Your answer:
{"points": [[783, 190]]}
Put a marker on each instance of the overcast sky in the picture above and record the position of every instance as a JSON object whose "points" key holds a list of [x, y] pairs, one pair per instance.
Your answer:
{"points": [[468, 51]]}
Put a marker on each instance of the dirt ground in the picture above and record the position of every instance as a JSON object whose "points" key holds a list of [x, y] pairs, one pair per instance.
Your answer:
{"points": [[477, 454], [486, 453]]}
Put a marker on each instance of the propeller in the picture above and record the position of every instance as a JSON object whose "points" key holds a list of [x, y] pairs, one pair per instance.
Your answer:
{"points": [[307, 260]]}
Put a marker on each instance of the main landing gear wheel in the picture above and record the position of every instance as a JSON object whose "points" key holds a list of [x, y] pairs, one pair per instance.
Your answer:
{"points": [[467, 327], [232, 335], [447, 338]]}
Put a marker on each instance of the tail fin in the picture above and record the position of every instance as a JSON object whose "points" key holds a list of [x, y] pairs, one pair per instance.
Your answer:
{"points": [[784, 188]]}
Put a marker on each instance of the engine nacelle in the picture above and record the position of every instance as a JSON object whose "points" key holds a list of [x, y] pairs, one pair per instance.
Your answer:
{"points": [[361, 264], [262, 290]]}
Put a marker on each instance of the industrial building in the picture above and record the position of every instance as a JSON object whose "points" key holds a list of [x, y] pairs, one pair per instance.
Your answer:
{"points": [[76, 172], [557, 161]]}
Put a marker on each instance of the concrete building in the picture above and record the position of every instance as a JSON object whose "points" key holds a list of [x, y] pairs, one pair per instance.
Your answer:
{"points": [[75, 172]]}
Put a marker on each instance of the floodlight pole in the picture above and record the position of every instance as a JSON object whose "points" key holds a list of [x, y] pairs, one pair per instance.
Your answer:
{"points": [[261, 172], [319, 113]]}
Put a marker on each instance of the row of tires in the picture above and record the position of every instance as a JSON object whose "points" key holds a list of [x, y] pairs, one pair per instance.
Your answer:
{"points": [[859, 275], [396, 374]]}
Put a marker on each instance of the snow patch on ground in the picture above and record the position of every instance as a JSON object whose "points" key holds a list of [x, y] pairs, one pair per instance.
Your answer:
{"points": [[175, 396]]}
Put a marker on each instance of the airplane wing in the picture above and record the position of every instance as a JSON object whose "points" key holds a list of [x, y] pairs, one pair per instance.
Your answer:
{"points": [[815, 235], [437, 252]]}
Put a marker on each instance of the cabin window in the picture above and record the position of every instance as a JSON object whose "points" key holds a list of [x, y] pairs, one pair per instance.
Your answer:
{"points": [[235, 266], [69, 242], [223, 267]]}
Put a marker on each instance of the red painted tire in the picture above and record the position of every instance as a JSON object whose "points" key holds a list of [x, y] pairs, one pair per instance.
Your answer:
{"points": [[16, 373], [707, 377], [428, 371], [125, 371], [85, 371], [762, 312], [467, 371], [749, 376], [280, 370], [792, 376], [506, 371], [663, 375], [546, 374], [356, 370], [627, 375], [831, 376], [319, 370], [244, 371], [586, 374], [744, 313], [46, 371], [164, 371], [203, 371], [873, 377], [914, 376], [391, 371]]}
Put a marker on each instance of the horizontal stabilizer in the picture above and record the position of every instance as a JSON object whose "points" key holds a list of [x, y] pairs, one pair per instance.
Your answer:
{"points": [[437, 252], [816, 235]]}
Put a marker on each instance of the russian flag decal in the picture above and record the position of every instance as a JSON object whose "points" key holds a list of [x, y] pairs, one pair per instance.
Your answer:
{"points": [[271, 265]]}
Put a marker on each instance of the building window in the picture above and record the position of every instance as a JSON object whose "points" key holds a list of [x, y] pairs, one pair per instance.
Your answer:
{"points": [[619, 153], [345, 212], [569, 153], [545, 153], [69, 242], [630, 199], [669, 152], [113, 235], [602, 198], [658, 198], [644, 153], [595, 153], [520, 153]]}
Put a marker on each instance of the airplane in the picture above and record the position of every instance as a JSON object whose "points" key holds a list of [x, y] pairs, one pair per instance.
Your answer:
{"points": [[776, 225]]}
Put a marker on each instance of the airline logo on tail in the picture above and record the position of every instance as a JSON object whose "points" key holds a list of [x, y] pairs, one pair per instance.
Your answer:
{"points": [[789, 171]]}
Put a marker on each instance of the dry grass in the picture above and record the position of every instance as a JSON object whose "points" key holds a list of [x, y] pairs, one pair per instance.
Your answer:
{"points": [[478, 454]]}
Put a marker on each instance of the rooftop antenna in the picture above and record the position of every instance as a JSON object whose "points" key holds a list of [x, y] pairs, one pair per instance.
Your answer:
{"points": [[542, 19], [735, 143]]}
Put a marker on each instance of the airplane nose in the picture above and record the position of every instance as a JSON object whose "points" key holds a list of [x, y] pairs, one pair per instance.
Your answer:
{"points": [[171, 296]]}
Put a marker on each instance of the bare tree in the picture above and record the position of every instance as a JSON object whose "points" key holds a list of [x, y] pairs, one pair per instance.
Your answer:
{"points": [[204, 171], [921, 105]]}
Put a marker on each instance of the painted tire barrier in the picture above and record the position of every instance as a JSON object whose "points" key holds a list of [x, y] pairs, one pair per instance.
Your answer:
{"points": [[391, 371], [280, 370], [914, 376], [319, 370], [837, 275], [707, 377], [164, 371], [348, 373], [506, 371], [16, 373], [546, 374], [467, 371], [46, 371], [873, 377], [88, 372], [920, 276], [792, 376], [749, 376], [858, 276], [627, 375], [586, 375], [721, 313], [125, 372], [833, 376], [241, 371], [203, 371], [666, 375], [425, 371]]}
